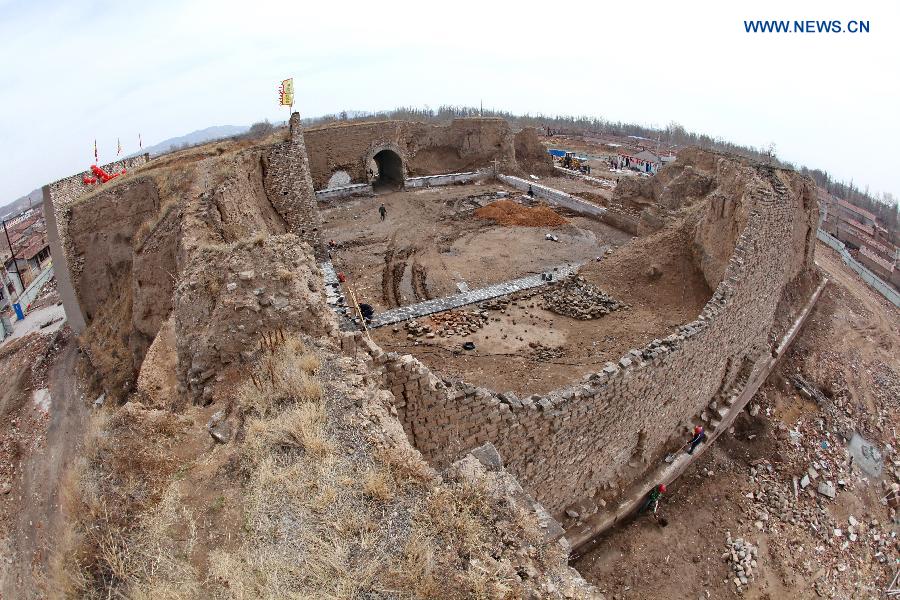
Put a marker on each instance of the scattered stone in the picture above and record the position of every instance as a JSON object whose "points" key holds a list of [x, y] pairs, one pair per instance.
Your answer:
{"points": [[218, 427], [826, 488], [741, 557]]}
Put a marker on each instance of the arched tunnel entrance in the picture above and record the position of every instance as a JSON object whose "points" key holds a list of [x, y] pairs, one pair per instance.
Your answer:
{"points": [[388, 172]]}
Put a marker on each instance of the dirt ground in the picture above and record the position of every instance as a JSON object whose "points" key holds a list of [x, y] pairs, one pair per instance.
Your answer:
{"points": [[38, 448], [431, 240], [527, 349], [808, 545]]}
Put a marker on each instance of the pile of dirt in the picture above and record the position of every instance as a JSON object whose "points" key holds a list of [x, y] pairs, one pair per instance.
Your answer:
{"points": [[507, 212], [658, 270]]}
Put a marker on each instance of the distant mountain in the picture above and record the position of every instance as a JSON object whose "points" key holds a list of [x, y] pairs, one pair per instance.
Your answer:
{"points": [[33, 198], [195, 137]]}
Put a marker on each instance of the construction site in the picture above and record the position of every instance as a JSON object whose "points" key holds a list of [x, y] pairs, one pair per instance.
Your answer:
{"points": [[396, 359]]}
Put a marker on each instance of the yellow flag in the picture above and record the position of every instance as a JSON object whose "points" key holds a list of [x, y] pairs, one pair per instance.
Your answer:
{"points": [[287, 92]]}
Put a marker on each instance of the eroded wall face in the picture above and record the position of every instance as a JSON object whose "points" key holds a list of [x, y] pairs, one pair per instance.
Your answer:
{"points": [[122, 250], [58, 196], [569, 444]]}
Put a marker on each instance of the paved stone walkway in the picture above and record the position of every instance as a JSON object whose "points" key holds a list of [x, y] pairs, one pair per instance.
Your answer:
{"points": [[437, 305], [334, 296]]}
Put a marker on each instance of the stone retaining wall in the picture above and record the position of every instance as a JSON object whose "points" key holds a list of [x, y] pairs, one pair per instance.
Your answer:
{"points": [[346, 191], [570, 444], [445, 179], [875, 282], [429, 307], [554, 196]]}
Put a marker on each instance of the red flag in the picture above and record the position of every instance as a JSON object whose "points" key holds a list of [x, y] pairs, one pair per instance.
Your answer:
{"points": [[95, 151]]}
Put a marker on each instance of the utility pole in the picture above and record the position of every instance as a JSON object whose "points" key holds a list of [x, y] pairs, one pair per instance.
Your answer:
{"points": [[15, 261]]}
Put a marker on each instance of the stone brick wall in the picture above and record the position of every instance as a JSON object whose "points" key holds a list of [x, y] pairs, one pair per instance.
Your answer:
{"points": [[554, 196], [568, 445], [444, 179], [286, 177]]}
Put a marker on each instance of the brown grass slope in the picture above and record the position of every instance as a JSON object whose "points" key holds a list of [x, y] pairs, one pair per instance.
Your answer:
{"points": [[318, 495]]}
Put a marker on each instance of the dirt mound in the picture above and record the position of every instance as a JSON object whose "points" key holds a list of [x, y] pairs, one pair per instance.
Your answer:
{"points": [[507, 212], [657, 270]]}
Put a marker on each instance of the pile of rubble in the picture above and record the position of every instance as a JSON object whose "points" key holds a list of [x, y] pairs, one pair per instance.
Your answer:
{"points": [[448, 324], [542, 353], [798, 495], [579, 299], [494, 304], [741, 556]]}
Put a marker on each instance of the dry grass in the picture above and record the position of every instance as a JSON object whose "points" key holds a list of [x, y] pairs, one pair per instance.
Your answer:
{"points": [[119, 509], [322, 515], [143, 232], [379, 484]]}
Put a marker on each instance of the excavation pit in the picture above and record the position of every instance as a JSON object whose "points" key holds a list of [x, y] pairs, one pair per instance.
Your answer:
{"points": [[433, 240]]}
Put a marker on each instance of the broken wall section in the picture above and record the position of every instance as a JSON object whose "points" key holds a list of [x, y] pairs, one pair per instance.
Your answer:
{"points": [[288, 186], [228, 295], [575, 443]]}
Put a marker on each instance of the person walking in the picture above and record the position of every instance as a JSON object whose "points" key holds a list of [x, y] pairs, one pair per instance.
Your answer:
{"points": [[699, 438], [530, 191], [382, 211]]}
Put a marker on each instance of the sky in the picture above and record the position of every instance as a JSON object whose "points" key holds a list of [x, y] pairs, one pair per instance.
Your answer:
{"points": [[73, 72]]}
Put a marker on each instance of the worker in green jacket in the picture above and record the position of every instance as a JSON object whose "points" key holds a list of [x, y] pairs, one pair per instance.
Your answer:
{"points": [[653, 498]]}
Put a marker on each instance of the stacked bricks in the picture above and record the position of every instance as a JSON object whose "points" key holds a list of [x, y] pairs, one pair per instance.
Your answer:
{"points": [[288, 185]]}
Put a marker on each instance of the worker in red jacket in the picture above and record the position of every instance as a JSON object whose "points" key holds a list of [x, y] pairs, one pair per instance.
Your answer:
{"points": [[699, 438]]}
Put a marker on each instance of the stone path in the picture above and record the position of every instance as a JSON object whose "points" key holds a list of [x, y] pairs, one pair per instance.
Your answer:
{"points": [[334, 296], [429, 307]]}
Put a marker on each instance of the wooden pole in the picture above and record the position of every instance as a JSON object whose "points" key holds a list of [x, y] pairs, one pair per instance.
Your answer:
{"points": [[362, 319]]}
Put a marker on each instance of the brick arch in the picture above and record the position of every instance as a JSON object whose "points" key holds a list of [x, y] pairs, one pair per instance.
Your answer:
{"points": [[369, 159]]}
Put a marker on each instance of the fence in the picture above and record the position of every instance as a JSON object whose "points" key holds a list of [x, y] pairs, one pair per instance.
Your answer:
{"points": [[868, 276], [34, 288]]}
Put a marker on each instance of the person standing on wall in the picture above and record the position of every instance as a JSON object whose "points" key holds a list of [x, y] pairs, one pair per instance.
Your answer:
{"points": [[382, 211], [699, 438]]}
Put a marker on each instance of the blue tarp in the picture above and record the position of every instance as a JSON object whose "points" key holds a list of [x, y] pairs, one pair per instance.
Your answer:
{"points": [[556, 152]]}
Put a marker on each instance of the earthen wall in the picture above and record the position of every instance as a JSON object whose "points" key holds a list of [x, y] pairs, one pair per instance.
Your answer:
{"points": [[57, 197], [463, 145]]}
